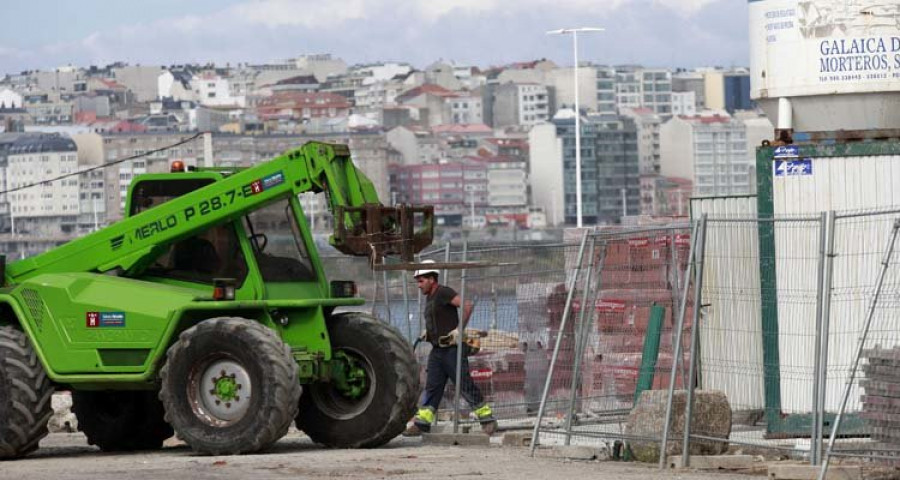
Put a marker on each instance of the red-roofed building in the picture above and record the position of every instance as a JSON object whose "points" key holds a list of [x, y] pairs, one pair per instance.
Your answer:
{"points": [[454, 188], [433, 102], [303, 105]]}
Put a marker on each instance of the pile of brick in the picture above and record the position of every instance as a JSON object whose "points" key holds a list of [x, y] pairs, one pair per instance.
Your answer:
{"points": [[637, 273], [881, 401]]}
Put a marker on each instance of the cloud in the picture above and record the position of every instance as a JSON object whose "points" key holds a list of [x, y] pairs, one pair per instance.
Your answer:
{"points": [[482, 32], [11, 52], [314, 14]]}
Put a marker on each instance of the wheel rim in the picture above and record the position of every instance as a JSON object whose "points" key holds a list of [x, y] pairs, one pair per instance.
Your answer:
{"points": [[220, 391], [345, 404]]}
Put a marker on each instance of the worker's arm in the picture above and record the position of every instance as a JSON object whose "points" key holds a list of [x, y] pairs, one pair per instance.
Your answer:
{"points": [[467, 312]]}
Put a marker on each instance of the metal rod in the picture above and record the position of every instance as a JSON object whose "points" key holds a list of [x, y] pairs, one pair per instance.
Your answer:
{"points": [[816, 433], [444, 274], [827, 282], [869, 213], [419, 314], [676, 300], [579, 335], [562, 328], [676, 355], [460, 340], [625, 232], [764, 220], [695, 343], [387, 299], [885, 263], [493, 306], [406, 309]]}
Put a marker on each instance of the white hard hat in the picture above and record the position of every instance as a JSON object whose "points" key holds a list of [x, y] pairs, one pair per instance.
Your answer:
{"points": [[423, 271]]}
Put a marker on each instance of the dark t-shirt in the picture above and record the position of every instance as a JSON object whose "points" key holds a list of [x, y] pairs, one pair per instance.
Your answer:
{"points": [[440, 315]]}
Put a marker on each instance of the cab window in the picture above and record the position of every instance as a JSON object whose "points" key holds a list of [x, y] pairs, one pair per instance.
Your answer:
{"points": [[277, 244]]}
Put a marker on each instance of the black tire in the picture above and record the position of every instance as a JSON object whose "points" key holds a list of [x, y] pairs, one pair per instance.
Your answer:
{"points": [[258, 364], [121, 421], [25, 395], [332, 419]]}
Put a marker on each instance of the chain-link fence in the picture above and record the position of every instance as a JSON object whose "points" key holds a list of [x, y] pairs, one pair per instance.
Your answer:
{"points": [[577, 331]]}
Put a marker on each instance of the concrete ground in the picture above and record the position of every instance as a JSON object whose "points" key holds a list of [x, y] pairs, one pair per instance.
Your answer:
{"points": [[68, 456]]}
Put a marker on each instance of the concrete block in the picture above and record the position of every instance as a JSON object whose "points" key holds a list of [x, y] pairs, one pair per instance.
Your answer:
{"points": [[517, 439], [810, 472], [460, 439], [723, 462], [448, 428], [63, 420], [569, 452]]}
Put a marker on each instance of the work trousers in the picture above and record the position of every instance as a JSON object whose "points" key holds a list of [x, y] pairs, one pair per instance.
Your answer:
{"points": [[442, 367]]}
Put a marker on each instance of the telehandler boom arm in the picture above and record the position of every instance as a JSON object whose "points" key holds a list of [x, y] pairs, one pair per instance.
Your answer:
{"points": [[362, 227]]}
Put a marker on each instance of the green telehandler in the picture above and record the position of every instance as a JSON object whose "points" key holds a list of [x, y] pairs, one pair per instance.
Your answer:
{"points": [[206, 311]]}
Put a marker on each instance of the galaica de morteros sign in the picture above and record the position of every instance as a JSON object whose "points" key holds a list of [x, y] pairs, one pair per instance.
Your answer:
{"points": [[803, 47]]}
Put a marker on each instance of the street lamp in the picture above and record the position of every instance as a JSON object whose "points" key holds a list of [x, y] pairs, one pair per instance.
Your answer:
{"points": [[574, 32]]}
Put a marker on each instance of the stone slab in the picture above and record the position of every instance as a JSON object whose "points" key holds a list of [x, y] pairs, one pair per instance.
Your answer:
{"points": [[448, 428], [722, 462], [517, 439], [810, 472], [461, 439], [569, 452]]}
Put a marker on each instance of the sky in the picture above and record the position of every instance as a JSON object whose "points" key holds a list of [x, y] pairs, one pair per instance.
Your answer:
{"points": [[45, 34]]}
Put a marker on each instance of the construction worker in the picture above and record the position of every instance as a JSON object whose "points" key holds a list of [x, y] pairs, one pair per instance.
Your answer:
{"points": [[441, 330]]}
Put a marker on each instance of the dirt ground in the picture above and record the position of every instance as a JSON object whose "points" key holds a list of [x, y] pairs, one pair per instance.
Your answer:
{"points": [[67, 456]]}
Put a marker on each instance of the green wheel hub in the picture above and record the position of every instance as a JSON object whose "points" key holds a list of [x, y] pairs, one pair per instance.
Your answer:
{"points": [[350, 376], [226, 388]]}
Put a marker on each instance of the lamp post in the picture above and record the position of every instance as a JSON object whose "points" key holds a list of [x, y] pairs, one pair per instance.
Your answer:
{"points": [[574, 32]]}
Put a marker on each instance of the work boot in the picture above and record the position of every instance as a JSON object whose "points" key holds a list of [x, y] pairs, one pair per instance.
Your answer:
{"points": [[489, 428], [415, 430]]}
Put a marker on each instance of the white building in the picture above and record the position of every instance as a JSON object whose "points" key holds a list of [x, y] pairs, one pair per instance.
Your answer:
{"points": [[465, 109], [50, 208], [507, 183], [212, 90], [638, 87], [175, 84], [10, 99], [563, 81], [606, 91], [648, 124], [656, 89], [524, 104], [684, 103], [545, 168], [709, 150]]}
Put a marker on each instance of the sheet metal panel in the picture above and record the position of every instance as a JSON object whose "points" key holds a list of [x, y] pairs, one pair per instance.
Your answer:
{"points": [[731, 343], [843, 184]]}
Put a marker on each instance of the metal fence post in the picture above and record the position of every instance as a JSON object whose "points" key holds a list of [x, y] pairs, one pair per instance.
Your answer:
{"points": [[827, 281], [679, 335], [445, 274], [562, 328], [409, 332], [695, 343], [460, 339], [816, 434], [419, 307], [493, 307], [579, 332], [676, 288], [885, 263], [387, 298]]}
